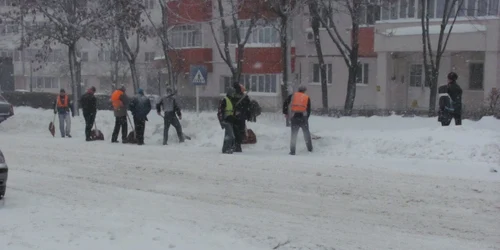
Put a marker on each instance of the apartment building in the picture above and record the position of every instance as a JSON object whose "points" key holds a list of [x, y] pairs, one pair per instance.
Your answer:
{"points": [[391, 74], [96, 56]]}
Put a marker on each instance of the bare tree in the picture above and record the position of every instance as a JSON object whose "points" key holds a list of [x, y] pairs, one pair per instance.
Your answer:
{"points": [[285, 10], [174, 62], [64, 22], [129, 23], [432, 58], [234, 32], [315, 24], [348, 46]]}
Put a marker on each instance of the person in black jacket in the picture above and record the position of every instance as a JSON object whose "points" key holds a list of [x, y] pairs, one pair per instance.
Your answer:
{"points": [[89, 108], [140, 106], [445, 111], [455, 93], [242, 113], [171, 109], [225, 114], [297, 108]]}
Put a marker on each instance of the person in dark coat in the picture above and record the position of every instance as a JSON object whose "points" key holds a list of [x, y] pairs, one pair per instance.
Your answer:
{"points": [[455, 93], [140, 106], [63, 106], [171, 112], [225, 114], [297, 107], [89, 108], [120, 103], [445, 112], [242, 113]]}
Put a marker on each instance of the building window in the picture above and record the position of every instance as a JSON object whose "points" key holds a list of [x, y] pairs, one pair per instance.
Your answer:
{"points": [[476, 76], [262, 33], [186, 36], [369, 13], [9, 27], [84, 56], [412, 9], [267, 83], [45, 82], [149, 56], [362, 73], [316, 73], [325, 14], [149, 4], [416, 75]]}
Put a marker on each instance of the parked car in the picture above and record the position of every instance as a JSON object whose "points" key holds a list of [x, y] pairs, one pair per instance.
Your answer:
{"points": [[4, 173], [6, 109]]}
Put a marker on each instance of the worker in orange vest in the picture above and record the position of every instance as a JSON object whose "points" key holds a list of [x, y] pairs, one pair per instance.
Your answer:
{"points": [[63, 106], [297, 108], [120, 105]]}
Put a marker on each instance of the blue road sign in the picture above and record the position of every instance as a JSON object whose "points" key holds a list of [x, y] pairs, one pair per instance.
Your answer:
{"points": [[198, 74]]}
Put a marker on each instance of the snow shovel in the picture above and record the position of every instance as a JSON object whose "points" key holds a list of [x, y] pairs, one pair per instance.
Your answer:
{"points": [[96, 134], [52, 128], [131, 137], [183, 135]]}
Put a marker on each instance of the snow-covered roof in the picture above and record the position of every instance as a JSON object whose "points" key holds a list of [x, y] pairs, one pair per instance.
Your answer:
{"points": [[434, 29]]}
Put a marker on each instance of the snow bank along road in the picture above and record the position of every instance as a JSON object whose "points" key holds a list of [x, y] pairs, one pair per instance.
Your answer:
{"points": [[70, 194]]}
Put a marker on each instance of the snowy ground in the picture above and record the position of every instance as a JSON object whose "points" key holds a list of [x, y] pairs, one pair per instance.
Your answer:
{"points": [[372, 183]]}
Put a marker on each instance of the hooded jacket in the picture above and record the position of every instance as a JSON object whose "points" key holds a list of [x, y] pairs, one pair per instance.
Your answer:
{"points": [[140, 106]]}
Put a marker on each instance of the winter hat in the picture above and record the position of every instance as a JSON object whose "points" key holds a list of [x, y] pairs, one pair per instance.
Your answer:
{"points": [[62, 91], [92, 89], [169, 91], [452, 76], [302, 89], [140, 91]]}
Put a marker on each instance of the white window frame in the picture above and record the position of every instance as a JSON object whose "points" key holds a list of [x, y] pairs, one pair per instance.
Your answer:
{"points": [[53, 81], [186, 36], [393, 10], [373, 7], [262, 33], [470, 63], [252, 83], [149, 4], [411, 76], [365, 76], [329, 73]]}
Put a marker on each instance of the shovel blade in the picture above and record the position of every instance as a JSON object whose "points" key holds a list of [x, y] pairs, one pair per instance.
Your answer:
{"points": [[52, 129]]}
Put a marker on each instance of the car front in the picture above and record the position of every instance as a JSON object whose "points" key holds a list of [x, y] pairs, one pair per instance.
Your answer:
{"points": [[4, 173]]}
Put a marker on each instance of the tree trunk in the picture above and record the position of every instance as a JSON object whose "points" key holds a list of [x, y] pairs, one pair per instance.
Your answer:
{"points": [[134, 74], [284, 45], [433, 92], [351, 90], [313, 9], [73, 68]]}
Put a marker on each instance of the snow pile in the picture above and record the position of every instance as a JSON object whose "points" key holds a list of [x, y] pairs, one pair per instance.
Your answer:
{"points": [[359, 137]]}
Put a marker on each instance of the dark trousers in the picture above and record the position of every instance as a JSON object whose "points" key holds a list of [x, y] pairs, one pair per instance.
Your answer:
{"points": [[455, 116], [120, 122], [229, 142], [170, 118], [296, 124], [140, 127], [89, 123], [239, 130]]}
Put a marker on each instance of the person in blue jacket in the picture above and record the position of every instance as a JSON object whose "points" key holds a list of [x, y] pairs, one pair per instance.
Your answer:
{"points": [[140, 106]]}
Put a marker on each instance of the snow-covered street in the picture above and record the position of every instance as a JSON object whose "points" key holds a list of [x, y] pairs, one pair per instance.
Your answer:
{"points": [[371, 183]]}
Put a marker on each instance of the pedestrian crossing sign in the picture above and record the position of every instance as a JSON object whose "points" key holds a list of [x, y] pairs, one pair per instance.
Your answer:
{"points": [[198, 74]]}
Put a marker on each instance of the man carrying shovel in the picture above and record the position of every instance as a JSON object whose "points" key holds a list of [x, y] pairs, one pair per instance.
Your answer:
{"points": [[171, 112], [63, 106], [89, 108], [120, 106]]}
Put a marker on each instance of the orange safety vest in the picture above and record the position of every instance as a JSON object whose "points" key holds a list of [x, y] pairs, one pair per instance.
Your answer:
{"points": [[115, 99], [60, 103], [299, 102]]}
